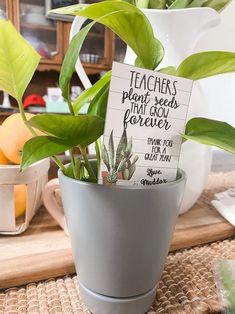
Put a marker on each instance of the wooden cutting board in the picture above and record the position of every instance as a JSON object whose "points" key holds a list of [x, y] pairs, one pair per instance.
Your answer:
{"points": [[200, 225], [43, 251]]}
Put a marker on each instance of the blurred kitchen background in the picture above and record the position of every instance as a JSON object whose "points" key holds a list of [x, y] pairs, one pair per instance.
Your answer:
{"points": [[49, 35]]}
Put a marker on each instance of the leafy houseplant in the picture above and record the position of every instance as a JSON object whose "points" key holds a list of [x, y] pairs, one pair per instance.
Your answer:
{"points": [[122, 163], [66, 132]]}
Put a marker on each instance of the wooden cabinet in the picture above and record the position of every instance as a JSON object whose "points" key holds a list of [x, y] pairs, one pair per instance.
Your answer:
{"points": [[6, 11], [51, 38]]}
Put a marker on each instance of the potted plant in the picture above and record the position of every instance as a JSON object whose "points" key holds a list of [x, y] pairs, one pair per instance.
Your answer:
{"points": [[120, 235]]}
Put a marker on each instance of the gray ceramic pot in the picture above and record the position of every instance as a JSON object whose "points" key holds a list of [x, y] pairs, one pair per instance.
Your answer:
{"points": [[120, 238]]}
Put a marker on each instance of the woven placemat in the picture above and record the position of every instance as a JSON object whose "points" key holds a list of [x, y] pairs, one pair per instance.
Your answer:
{"points": [[187, 286]]}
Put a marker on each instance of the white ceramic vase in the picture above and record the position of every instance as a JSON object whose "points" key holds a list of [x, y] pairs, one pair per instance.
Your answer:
{"points": [[179, 31]]}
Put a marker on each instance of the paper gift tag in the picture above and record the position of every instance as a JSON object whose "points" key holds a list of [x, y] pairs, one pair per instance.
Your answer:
{"points": [[146, 113]]}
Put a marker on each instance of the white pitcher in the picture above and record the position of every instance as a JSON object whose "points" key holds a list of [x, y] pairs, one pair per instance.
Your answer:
{"points": [[179, 31]]}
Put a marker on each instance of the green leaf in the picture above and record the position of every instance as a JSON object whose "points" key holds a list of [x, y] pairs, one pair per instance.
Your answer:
{"points": [[169, 70], [89, 93], [205, 64], [98, 104], [179, 4], [211, 132], [129, 23], [40, 147], [217, 5], [78, 130], [18, 61], [70, 59], [138, 63]]}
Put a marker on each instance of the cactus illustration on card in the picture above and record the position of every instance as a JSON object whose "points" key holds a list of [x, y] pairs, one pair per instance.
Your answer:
{"points": [[121, 164]]}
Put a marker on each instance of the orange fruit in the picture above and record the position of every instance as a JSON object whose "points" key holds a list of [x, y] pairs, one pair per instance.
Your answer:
{"points": [[13, 135], [3, 159], [20, 193]]}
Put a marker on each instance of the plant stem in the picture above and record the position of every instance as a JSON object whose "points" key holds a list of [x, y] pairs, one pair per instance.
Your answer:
{"points": [[59, 163], [70, 105], [23, 116], [72, 157], [88, 165], [77, 172], [73, 162]]}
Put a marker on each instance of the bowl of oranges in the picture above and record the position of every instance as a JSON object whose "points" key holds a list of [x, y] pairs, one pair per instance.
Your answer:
{"points": [[20, 192]]}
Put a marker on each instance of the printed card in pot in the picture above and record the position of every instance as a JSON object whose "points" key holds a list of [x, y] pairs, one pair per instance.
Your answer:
{"points": [[146, 113]]}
